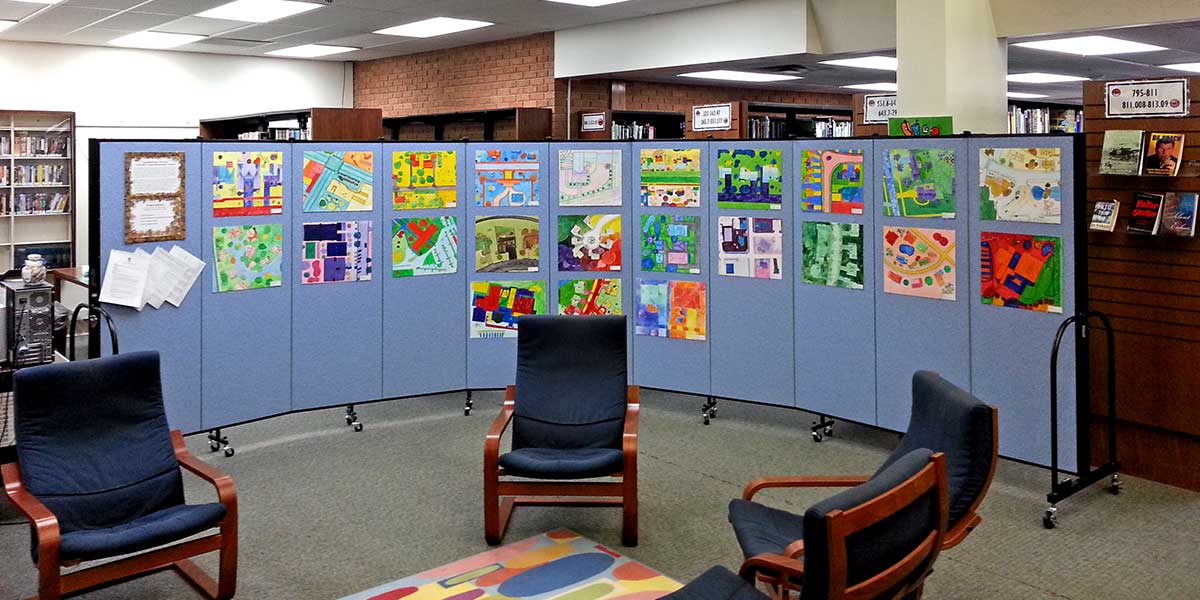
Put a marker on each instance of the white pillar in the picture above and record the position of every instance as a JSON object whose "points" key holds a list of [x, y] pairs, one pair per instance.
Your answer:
{"points": [[951, 63]]}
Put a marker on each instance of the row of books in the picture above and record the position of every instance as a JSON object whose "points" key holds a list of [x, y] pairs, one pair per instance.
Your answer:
{"points": [[40, 174], [632, 131], [766, 128], [58, 256], [832, 129], [38, 203], [31, 145], [1134, 152], [1044, 120], [1152, 214], [276, 134]]}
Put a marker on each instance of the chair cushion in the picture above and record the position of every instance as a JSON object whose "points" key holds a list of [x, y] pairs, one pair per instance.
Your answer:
{"points": [[717, 583], [762, 529], [550, 463], [154, 529]]}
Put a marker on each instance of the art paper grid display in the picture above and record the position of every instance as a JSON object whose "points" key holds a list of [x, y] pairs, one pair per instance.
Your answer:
{"points": [[676, 309], [670, 243], [750, 179], [339, 181], [506, 244], [1020, 184], [832, 254], [424, 179], [1021, 271], [337, 252], [424, 246], [589, 242], [750, 247], [247, 184], [589, 177], [247, 257], [670, 177], [506, 177], [831, 182], [496, 306], [920, 262], [919, 183], [589, 297]]}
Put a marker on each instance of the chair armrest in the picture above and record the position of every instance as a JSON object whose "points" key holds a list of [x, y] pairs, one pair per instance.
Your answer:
{"points": [[226, 491], [44, 521], [801, 482], [787, 569], [629, 436], [491, 444]]}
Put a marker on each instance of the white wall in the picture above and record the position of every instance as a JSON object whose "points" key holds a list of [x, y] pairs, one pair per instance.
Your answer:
{"points": [[116, 92]]}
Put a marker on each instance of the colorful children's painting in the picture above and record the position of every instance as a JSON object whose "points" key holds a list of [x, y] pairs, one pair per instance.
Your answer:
{"points": [[750, 247], [919, 262], [589, 242], [506, 177], [247, 184], [496, 306], [653, 311], [1022, 271], [919, 183], [831, 182], [688, 319], [1020, 184], [670, 177], [422, 180], [424, 246], [670, 243], [589, 297], [750, 179], [247, 257], [339, 181], [506, 244], [338, 252], [833, 254], [589, 177]]}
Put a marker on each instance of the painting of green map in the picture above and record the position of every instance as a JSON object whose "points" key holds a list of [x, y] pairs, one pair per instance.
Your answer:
{"points": [[832, 254], [919, 183]]}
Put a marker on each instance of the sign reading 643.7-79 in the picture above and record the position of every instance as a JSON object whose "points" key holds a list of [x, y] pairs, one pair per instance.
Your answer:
{"points": [[1147, 98]]}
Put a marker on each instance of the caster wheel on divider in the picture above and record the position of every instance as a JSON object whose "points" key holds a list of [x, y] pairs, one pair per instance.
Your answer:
{"points": [[712, 413], [466, 412], [229, 452], [817, 437], [213, 446], [706, 420], [1115, 486], [1050, 519], [358, 427]]}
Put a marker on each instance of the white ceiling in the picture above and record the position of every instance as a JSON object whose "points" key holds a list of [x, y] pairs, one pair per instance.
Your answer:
{"points": [[337, 22]]}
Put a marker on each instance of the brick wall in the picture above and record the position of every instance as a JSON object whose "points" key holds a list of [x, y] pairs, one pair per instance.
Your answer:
{"points": [[640, 95]]}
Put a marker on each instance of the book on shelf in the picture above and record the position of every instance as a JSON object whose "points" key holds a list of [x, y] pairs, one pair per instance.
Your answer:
{"points": [[1104, 215], [1179, 214], [39, 203], [632, 131], [1146, 215], [1164, 152], [41, 174], [832, 128], [276, 134], [32, 146], [766, 128], [1122, 152]]}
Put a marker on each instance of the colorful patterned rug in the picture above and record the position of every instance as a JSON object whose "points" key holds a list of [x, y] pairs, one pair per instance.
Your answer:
{"points": [[559, 564]]}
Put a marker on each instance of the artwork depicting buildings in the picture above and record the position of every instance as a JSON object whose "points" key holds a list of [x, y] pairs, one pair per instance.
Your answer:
{"points": [[589, 297], [247, 184], [670, 177], [424, 180], [1021, 271], [506, 244], [832, 254], [506, 177], [589, 177], [831, 182], [750, 247], [670, 243], [496, 306], [339, 181], [750, 179], [919, 183], [424, 246], [919, 262], [247, 257], [1020, 184], [589, 242], [338, 252]]}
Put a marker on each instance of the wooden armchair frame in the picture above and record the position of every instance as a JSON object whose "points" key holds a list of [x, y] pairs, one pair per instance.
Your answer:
{"points": [[501, 497], [785, 572], [52, 584]]}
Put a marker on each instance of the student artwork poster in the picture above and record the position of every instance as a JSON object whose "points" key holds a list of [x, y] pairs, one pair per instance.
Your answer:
{"points": [[589, 242], [424, 246], [247, 257], [920, 262], [831, 182], [670, 178], [247, 184], [506, 177], [589, 177], [674, 309], [589, 297], [339, 181], [337, 252], [750, 247], [1021, 271], [424, 179], [497, 305], [750, 179]]}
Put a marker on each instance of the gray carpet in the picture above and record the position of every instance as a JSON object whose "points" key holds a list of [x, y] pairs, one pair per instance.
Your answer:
{"points": [[326, 512]]}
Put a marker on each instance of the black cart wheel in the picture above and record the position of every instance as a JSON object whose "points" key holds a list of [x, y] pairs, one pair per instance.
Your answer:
{"points": [[358, 427], [229, 452], [1050, 518], [817, 437]]}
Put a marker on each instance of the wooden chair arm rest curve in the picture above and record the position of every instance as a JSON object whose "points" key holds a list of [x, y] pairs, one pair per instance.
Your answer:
{"points": [[43, 520], [787, 569], [762, 483], [629, 436], [491, 443], [222, 481]]}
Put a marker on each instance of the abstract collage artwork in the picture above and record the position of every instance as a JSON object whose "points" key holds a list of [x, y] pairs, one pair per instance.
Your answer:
{"points": [[506, 178], [688, 316], [831, 182], [832, 254], [750, 247], [919, 183], [920, 262], [589, 297], [1020, 184], [496, 306], [506, 244], [339, 181], [670, 178], [338, 252], [1021, 271], [247, 184], [750, 179], [424, 246], [651, 297], [670, 243], [589, 177], [247, 257], [423, 180], [589, 242]]}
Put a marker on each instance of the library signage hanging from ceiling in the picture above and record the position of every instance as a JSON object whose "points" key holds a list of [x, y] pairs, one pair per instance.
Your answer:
{"points": [[1146, 98], [878, 108], [712, 117]]}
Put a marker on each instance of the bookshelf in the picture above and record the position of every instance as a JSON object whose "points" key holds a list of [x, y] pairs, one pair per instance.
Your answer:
{"points": [[303, 124], [509, 124], [781, 121], [1044, 117], [634, 125], [37, 199]]}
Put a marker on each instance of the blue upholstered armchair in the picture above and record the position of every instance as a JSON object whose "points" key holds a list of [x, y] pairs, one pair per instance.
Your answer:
{"points": [[573, 416], [99, 477]]}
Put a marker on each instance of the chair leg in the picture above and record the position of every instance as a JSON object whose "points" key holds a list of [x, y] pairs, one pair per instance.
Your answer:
{"points": [[492, 528], [49, 580], [227, 571], [629, 511]]}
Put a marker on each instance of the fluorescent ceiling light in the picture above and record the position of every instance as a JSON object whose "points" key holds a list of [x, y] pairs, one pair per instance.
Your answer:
{"points": [[434, 27], [882, 63], [258, 11], [1090, 45], [883, 86], [155, 40], [1025, 95], [1189, 67], [1043, 78], [589, 3], [40, 1], [310, 51], [6, 24], [750, 76]]}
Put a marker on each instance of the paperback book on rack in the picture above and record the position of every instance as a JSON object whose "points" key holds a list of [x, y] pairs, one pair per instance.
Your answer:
{"points": [[1179, 214], [1164, 152], [1146, 215], [1104, 215], [1122, 152]]}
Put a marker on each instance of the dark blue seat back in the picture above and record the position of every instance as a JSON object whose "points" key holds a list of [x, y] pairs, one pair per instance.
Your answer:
{"points": [[948, 419], [571, 382], [878, 547], [92, 440]]}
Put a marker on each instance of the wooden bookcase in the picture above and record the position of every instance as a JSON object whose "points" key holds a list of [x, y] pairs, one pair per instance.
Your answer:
{"points": [[37, 187], [328, 124], [507, 124], [667, 125], [797, 120], [1059, 115]]}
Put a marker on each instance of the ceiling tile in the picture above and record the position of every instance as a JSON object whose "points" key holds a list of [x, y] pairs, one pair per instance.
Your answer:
{"points": [[135, 21], [64, 19], [264, 31], [181, 7], [107, 4], [15, 11], [199, 26]]}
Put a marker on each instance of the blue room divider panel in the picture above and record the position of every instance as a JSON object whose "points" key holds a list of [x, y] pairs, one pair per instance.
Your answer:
{"points": [[247, 352], [424, 351], [588, 194], [337, 325], [914, 332], [660, 361], [173, 332], [751, 287], [1010, 347], [834, 308], [501, 174]]}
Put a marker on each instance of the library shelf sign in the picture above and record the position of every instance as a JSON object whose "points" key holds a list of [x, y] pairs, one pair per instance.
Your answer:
{"points": [[1146, 98], [878, 108], [712, 117], [593, 122]]}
